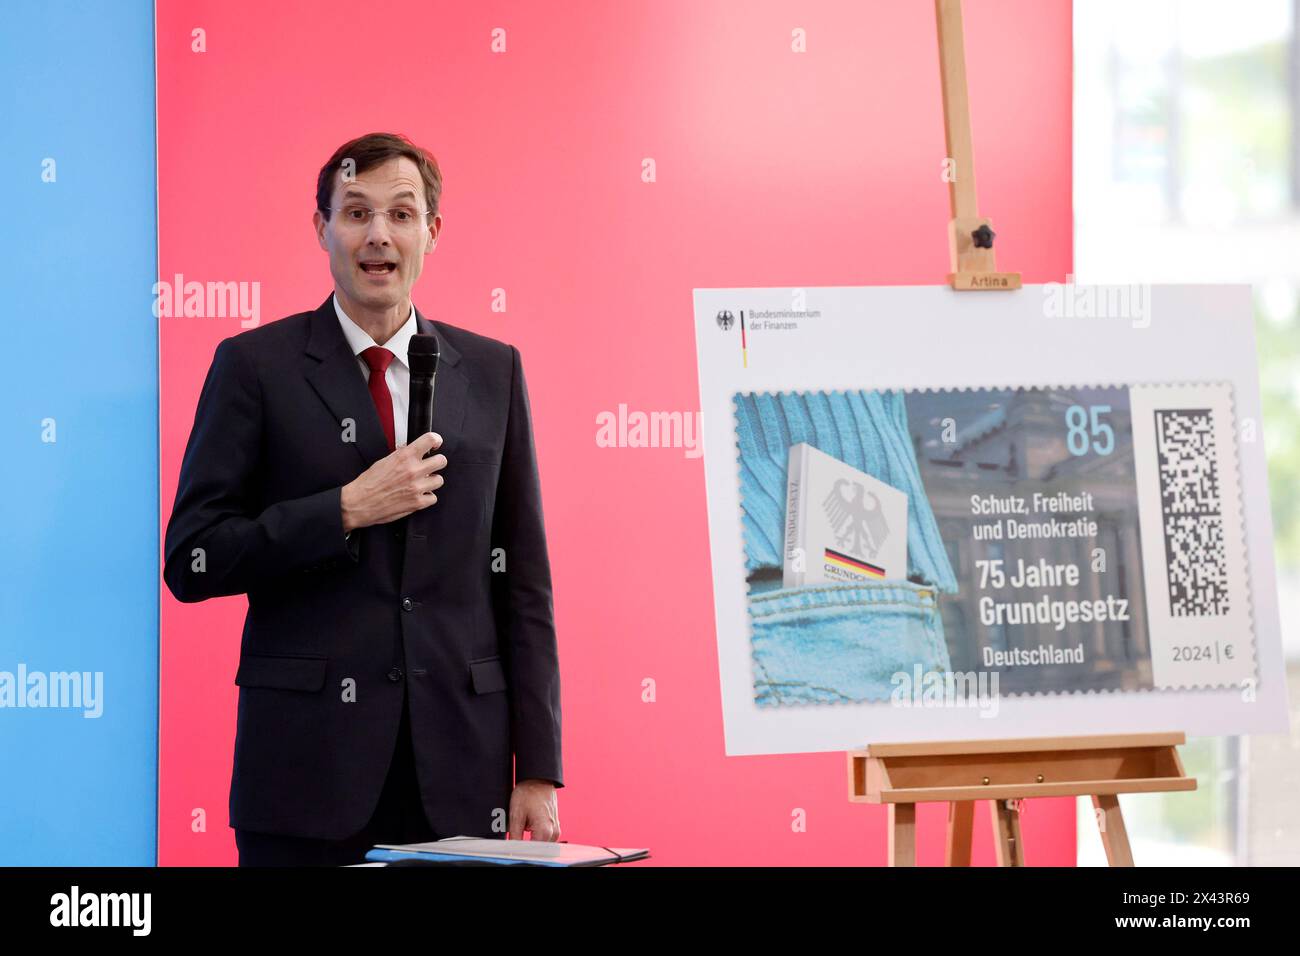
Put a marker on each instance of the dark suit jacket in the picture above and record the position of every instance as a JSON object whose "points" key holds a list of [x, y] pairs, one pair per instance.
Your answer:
{"points": [[338, 630]]}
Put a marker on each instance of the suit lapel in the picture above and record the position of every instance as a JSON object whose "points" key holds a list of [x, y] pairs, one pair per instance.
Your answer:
{"points": [[337, 379], [340, 384]]}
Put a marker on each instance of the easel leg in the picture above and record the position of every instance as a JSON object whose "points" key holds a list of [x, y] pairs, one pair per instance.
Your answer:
{"points": [[902, 834], [1110, 820], [1006, 835], [961, 820]]}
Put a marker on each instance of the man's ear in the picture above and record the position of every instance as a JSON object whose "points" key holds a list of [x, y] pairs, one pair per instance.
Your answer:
{"points": [[431, 234], [318, 221]]}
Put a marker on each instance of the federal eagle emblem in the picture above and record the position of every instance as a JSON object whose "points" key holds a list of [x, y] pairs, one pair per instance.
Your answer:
{"points": [[856, 518]]}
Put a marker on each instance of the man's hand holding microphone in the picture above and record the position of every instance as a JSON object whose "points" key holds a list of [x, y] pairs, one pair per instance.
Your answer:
{"points": [[395, 486]]}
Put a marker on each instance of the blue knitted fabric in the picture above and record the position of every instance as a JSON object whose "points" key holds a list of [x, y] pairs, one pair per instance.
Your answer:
{"points": [[865, 429]]}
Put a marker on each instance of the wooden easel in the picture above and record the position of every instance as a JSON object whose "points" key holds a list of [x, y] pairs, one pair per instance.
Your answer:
{"points": [[1003, 771], [970, 235], [961, 772]]}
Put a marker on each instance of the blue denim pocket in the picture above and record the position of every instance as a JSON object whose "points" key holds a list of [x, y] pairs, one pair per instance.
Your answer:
{"points": [[823, 644]]}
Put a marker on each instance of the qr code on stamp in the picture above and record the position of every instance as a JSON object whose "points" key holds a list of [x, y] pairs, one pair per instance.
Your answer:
{"points": [[1191, 513]]}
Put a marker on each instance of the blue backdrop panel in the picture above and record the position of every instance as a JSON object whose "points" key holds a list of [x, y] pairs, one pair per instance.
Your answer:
{"points": [[78, 435]]}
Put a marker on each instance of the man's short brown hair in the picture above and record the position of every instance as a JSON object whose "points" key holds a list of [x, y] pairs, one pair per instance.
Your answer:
{"points": [[371, 150]]}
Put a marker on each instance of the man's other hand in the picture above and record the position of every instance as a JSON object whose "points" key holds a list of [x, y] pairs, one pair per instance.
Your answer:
{"points": [[395, 486], [533, 808]]}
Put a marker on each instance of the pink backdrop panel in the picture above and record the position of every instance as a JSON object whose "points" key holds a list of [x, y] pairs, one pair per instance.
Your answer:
{"points": [[772, 167]]}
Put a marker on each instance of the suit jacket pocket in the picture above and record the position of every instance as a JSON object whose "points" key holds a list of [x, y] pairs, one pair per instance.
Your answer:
{"points": [[488, 675], [286, 673]]}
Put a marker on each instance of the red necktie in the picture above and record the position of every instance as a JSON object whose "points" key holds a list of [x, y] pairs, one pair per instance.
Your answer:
{"points": [[378, 357]]}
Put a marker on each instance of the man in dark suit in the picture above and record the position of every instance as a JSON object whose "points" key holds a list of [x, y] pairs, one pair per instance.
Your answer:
{"points": [[399, 645]]}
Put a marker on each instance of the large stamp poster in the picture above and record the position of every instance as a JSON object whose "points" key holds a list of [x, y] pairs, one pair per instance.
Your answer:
{"points": [[971, 516]]}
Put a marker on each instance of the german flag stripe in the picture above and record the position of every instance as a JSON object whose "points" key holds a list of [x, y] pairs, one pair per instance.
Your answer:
{"points": [[853, 564]]}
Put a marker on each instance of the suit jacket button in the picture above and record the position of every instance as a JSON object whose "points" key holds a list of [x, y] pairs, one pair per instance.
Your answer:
{"points": [[395, 674], [407, 604]]}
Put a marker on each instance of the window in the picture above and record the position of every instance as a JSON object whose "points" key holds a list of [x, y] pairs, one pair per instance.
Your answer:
{"points": [[1187, 169]]}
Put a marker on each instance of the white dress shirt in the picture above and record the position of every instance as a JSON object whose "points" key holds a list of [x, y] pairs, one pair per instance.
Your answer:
{"points": [[398, 374]]}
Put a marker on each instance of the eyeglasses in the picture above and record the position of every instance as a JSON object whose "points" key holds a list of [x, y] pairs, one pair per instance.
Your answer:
{"points": [[401, 218]]}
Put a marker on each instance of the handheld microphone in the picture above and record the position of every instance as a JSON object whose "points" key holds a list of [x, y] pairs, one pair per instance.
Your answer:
{"points": [[422, 357]]}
